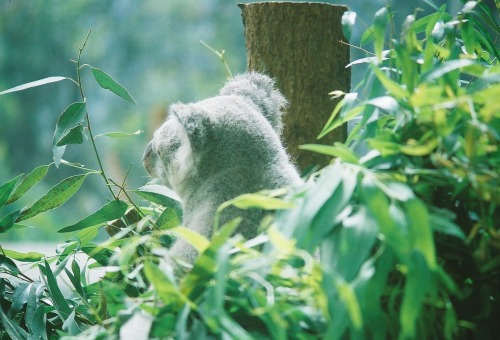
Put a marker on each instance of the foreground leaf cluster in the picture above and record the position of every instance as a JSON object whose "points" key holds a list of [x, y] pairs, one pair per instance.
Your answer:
{"points": [[400, 241]]}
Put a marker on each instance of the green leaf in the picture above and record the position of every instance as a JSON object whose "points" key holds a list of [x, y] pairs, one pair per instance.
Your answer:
{"points": [[34, 84], [258, 201], [446, 67], [338, 150], [347, 109], [38, 324], [67, 129], [119, 134], [74, 136], [14, 331], [29, 181], [111, 211], [379, 23], [166, 290], [55, 197], [348, 21], [23, 257], [106, 82], [348, 297], [8, 265], [198, 241], [9, 221], [6, 190], [55, 293], [161, 195], [418, 282], [390, 85], [168, 219], [421, 231], [386, 103]]}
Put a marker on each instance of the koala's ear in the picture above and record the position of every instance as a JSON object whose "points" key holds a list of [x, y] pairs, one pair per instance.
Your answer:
{"points": [[194, 121]]}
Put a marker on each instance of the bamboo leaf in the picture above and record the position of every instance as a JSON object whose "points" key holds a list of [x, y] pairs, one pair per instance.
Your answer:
{"points": [[33, 84], [380, 21], [390, 85], [248, 201], [195, 239], [106, 82], [338, 150], [55, 197], [111, 211]]}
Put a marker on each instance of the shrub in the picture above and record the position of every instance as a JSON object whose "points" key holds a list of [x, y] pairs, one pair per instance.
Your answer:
{"points": [[407, 231]]}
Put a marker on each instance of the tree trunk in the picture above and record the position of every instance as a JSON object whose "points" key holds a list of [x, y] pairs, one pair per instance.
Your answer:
{"points": [[299, 45]]}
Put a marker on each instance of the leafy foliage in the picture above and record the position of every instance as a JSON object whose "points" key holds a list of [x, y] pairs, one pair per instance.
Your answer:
{"points": [[396, 227]]}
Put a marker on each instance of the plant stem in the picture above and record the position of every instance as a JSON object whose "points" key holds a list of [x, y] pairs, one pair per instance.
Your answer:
{"points": [[89, 126]]}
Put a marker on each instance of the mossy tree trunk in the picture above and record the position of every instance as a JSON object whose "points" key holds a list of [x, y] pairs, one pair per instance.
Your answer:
{"points": [[300, 46]]}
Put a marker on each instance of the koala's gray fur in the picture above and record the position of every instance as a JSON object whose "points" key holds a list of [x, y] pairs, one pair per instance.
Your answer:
{"points": [[216, 149]]}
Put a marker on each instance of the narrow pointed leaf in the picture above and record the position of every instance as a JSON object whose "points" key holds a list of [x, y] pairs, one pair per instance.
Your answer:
{"points": [[8, 221], [33, 84], [55, 293], [111, 211], [248, 201], [29, 181], [338, 150], [23, 257], [55, 197], [161, 195], [119, 134], [71, 117], [106, 82], [7, 188]]}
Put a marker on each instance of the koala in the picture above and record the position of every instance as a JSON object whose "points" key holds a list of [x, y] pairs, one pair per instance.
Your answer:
{"points": [[216, 149]]}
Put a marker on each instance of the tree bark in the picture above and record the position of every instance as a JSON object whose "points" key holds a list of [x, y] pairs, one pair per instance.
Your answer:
{"points": [[299, 45]]}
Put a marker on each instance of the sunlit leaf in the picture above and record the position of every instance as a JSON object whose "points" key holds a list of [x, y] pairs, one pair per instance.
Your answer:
{"points": [[195, 239], [108, 83], [394, 88], [119, 134], [111, 211], [55, 197], [23, 257], [248, 201], [34, 84], [338, 150]]}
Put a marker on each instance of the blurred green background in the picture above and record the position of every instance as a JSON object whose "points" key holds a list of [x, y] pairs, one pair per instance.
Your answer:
{"points": [[151, 47]]}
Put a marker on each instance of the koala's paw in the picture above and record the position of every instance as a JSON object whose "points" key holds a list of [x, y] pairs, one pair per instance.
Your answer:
{"points": [[262, 91]]}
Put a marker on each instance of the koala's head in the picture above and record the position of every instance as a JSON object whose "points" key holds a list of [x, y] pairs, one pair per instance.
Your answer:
{"points": [[168, 156], [260, 90], [201, 139]]}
